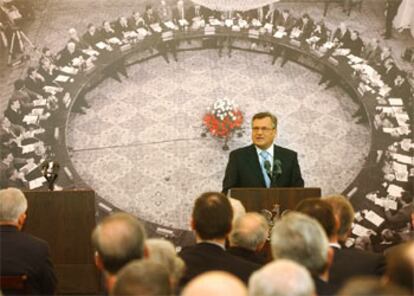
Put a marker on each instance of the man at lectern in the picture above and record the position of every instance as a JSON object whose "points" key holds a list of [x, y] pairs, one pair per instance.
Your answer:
{"points": [[263, 164]]}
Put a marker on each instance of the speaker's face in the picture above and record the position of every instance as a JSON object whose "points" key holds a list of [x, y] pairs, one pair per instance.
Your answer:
{"points": [[263, 132]]}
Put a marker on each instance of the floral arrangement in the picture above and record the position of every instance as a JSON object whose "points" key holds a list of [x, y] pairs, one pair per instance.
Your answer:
{"points": [[222, 119]]}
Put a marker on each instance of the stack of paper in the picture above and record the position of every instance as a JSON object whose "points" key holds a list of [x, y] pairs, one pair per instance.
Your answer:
{"points": [[183, 22], [156, 27], [395, 190], [279, 34], [101, 45], [62, 78], [36, 183], [374, 218], [69, 70], [28, 148], [31, 119]]}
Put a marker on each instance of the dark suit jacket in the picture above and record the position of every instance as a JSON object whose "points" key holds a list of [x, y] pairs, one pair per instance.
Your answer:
{"points": [[288, 23], [352, 262], [205, 257], [324, 288], [243, 169], [22, 253], [248, 255]]}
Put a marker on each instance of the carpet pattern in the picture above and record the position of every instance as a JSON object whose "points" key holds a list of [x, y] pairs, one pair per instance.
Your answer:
{"points": [[140, 145]]}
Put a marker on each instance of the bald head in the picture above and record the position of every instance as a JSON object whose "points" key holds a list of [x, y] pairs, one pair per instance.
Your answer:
{"points": [[281, 278], [216, 283], [119, 239], [250, 231]]}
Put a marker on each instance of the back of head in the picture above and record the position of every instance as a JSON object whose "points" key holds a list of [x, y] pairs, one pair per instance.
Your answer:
{"points": [[302, 239], [370, 286], [400, 266], [321, 211], [142, 277], [217, 283], [163, 252], [212, 216], [344, 213], [249, 231], [238, 208], [118, 239], [13, 203], [281, 278]]}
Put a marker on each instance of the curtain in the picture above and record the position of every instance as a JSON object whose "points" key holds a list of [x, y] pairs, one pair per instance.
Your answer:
{"points": [[239, 5]]}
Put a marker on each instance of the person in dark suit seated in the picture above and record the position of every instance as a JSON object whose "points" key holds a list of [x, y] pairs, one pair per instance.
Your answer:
{"points": [[262, 164], [180, 14], [35, 82], [216, 283], [121, 27], [349, 262], [211, 221], [136, 21], [107, 31], [68, 54], [401, 88], [118, 239], [389, 72], [248, 237], [305, 25], [341, 34], [354, 43], [150, 17], [164, 12], [198, 12], [47, 70], [282, 277], [14, 112], [302, 239], [22, 253], [92, 36], [74, 37], [284, 22], [320, 32]]}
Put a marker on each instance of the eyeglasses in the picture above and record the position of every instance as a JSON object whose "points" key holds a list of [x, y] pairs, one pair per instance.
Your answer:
{"points": [[263, 129]]}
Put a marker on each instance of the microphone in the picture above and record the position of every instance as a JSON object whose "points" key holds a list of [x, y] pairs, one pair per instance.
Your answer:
{"points": [[267, 166]]}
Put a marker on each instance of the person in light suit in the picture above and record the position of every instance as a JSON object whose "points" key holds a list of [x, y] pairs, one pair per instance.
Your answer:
{"points": [[246, 166]]}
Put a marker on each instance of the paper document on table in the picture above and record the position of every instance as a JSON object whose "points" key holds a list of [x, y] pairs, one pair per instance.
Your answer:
{"points": [[183, 22], [360, 230], [51, 89], [268, 27], [404, 158], [279, 34], [62, 78], [39, 102], [256, 23], [31, 119], [36, 183], [101, 45], [395, 101], [374, 218], [401, 171], [37, 111], [142, 32], [170, 25], [28, 148], [156, 27], [28, 168], [69, 70], [395, 190], [391, 204], [114, 40]]}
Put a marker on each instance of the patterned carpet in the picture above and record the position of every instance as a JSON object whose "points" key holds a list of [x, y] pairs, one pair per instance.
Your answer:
{"points": [[140, 147]]}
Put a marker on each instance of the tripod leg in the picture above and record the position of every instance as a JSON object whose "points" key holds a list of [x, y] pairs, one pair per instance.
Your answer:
{"points": [[11, 49], [25, 38], [21, 44]]}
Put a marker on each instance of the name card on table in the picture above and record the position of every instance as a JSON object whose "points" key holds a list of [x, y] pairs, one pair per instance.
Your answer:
{"points": [[209, 30]]}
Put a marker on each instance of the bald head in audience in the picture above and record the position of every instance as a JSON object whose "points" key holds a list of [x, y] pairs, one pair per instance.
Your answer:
{"points": [[400, 266], [281, 278], [142, 277], [217, 283], [118, 239], [250, 232]]}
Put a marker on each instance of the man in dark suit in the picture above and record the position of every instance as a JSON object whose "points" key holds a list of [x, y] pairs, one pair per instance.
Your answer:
{"points": [[211, 220], [262, 164], [349, 262], [248, 237], [22, 253]]}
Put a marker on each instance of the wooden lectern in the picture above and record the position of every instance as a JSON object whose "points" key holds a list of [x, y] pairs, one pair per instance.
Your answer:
{"points": [[257, 199], [65, 219]]}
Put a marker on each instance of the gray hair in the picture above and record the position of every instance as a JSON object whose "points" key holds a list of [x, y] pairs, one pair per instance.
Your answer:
{"points": [[249, 231], [302, 239], [238, 209], [163, 252], [281, 278], [13, 203], [119, 239], [142, 277]]}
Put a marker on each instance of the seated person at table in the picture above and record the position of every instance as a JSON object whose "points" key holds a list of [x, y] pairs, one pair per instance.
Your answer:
{"points": [[24, 95], [136, 21], [286, 21], [15, 179], [354, 43], [305, 25], [150, 16], [342, 34], [74, 37], [257, 14], [401, 88], [164, 12], [179, 13], [319, 35], [7, 162], [14, 112], [385, 54], [69, 53], [371, 51], [121, 27], [196, 12], [47, 53], [22, 253], [35, 82], [47, 70], [92, 36], [107, 31], [389, 72], [272, 14]]}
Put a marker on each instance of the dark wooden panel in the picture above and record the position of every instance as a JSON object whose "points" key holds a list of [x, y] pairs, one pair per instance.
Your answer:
{"points": [[65, 219], [256, 199]]}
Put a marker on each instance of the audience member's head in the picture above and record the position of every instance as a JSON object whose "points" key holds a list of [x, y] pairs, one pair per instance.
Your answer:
{"points": [[302, 239], [370, 286], [400, 266], [281, 278], [343, 212], [163, 252], [13, 206], [118, 239], [142, 277], [18, 84], [321, 211], [250, 232], [238, 209], [212, 216], [217, 283]]}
